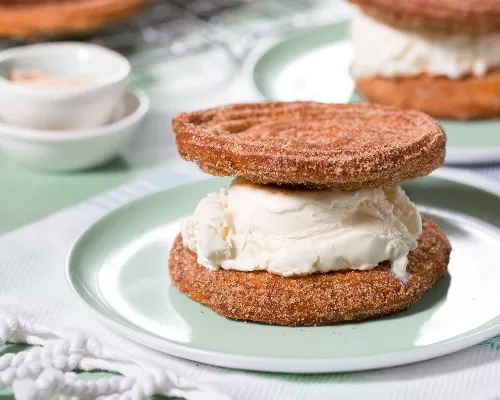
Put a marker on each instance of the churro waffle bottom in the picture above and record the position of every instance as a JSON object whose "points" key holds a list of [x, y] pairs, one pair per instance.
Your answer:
{"points": [[468, 98], [318, 299]]}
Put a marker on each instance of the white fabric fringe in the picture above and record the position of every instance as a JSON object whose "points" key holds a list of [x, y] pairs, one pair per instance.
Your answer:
{"points": [[45, 371]]}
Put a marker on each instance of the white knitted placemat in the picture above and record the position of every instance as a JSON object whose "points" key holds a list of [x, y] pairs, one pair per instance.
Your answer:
{"points": [[38, 307]]}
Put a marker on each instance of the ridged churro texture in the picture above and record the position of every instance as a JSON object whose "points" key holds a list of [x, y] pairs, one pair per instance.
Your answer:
{"points": [[467, 98], [312, 145], [70, 17], [319, 299], [441, 16]]}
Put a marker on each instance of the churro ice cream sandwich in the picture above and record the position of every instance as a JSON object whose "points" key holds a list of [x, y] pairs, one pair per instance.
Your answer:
{"points": [[315, 228], [440, 57]]}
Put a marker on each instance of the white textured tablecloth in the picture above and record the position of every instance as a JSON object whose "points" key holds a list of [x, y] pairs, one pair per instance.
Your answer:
{"points": [[37, 306]]}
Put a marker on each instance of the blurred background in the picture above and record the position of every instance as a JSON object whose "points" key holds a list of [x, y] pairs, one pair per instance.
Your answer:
{"points": [[186, 54], [193, 54], [181, 49]]}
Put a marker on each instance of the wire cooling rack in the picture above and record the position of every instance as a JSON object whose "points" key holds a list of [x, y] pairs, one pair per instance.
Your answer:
{"points": [[177, 28]]}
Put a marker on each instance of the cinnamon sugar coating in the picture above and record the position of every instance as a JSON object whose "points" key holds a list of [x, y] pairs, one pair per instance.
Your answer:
{"points": [[468, 98], [319, 299], [52, 17], [312, 145], [440, 16]]}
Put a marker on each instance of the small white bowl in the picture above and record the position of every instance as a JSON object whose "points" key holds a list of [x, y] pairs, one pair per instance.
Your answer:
{"points": [[81, 106], [75, 150]]}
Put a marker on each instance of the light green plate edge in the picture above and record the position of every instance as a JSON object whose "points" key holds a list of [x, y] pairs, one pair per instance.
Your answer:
{"points": [[131, 221], [473, 135]]}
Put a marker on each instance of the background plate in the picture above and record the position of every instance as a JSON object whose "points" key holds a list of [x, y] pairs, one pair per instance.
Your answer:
{"points": [[314, 65], [119, 268]]}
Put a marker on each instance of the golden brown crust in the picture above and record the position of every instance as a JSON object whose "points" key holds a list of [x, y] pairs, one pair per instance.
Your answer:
{"points": [[467, 98], [62, 18], [319, 299], [443, 16], [313, 145]]}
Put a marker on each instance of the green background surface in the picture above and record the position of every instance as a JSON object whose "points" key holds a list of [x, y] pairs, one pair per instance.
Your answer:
{"points": [[27, 195]]}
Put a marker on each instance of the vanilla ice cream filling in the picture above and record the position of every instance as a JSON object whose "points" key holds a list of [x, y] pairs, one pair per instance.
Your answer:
{"points": [[381, 50], [250, 227]]}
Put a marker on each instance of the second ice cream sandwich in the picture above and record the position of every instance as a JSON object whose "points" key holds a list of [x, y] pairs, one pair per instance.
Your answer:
{"points": [[442, 57]]}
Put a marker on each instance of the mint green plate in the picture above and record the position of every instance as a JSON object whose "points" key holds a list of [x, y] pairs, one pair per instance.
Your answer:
{"points": [[119, 268], [314, 65]]}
